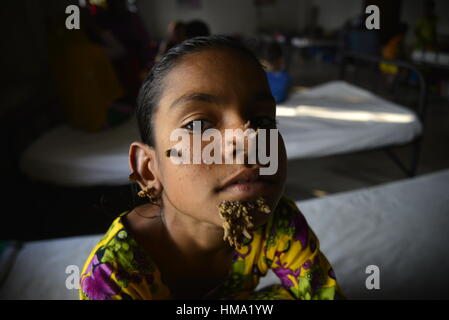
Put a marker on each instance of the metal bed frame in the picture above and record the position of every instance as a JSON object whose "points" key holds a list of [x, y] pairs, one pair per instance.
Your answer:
{"points": [[348, 58]]}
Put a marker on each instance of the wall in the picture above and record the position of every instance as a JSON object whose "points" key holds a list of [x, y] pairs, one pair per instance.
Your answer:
{"points": [[22, 30], [231, 16], [333, 14], [228, 17]]}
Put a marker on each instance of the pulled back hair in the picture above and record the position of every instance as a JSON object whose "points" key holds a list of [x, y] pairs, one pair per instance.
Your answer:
{"points": [[152, 87]]}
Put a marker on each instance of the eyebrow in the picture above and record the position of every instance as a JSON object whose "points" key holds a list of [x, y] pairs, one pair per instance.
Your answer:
{"points": [[208, 98], [196, 96]]}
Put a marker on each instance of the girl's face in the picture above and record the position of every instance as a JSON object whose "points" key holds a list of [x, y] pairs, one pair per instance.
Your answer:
{"points": [[223, 89]]}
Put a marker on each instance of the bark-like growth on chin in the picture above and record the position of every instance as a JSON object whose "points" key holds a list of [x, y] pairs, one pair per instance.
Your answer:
{"points": [[237, 219]]}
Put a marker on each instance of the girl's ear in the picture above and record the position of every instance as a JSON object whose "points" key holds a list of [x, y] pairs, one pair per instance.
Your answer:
{"points": [[143, 165]]}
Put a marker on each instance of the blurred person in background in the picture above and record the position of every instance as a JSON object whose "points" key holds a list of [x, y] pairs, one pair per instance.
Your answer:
{"points": [[279, 80], [176, 33], [394, 50], [197, 28], [179, 31], [83, 75], [426, 26], [119, 25]]}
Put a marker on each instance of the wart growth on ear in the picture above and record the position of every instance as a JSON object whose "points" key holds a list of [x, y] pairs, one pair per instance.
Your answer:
{"points": [[237, 220]]}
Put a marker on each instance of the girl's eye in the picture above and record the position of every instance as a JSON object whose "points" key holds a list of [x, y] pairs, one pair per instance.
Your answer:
{"points": [[194, 124], [264, 122]]}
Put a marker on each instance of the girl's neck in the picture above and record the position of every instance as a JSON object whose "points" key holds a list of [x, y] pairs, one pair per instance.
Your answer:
{"points": [[172, 245], [193, 237]]}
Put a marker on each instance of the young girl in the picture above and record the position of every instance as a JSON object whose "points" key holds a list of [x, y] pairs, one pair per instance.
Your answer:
{"points": [[209, 231]]}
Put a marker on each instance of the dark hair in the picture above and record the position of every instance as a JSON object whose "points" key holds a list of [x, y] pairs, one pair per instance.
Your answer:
{"points": [[151, 89]]}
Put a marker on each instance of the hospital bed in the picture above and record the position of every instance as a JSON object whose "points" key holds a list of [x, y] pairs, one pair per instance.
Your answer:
{"points": [[400, 227]]}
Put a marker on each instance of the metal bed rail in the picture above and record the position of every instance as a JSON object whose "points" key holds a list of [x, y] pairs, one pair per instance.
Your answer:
{"points": [[411, 169]]}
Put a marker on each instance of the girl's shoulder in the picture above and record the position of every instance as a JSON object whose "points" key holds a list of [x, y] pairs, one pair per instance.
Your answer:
{"points": [[115, 238], [286, 212], [118, 246], [117, 266], [286, 224]]}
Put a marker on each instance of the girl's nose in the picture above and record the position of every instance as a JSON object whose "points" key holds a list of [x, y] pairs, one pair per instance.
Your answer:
{"points": [[241, 146]]}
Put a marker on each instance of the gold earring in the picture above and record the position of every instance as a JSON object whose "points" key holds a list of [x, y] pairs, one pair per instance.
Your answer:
{"points": [[149, 192]]}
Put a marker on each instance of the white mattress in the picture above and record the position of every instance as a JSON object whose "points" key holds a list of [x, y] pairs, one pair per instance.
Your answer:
{"points": [[401, 227], [39, 270], [69, 157], [329, 119], [338, 117]]}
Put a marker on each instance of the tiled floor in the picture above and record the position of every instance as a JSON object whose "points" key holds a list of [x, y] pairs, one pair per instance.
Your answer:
{"points": [[317, 177]]}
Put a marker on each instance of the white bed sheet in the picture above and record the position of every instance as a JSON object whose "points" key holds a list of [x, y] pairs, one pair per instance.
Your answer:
{"points": [[401, 227], [73, 158], [39, 270], [332, 118], [337, 117]]}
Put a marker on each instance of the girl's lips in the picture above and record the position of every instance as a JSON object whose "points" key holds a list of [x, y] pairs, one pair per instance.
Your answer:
{"points": [[248, 188]]}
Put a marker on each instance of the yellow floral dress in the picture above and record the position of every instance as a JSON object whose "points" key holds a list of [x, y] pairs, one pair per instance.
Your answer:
{"points": [[118, 268]]}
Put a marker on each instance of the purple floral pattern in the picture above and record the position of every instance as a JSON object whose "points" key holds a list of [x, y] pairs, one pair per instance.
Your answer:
{"points": [[120, 269]]}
